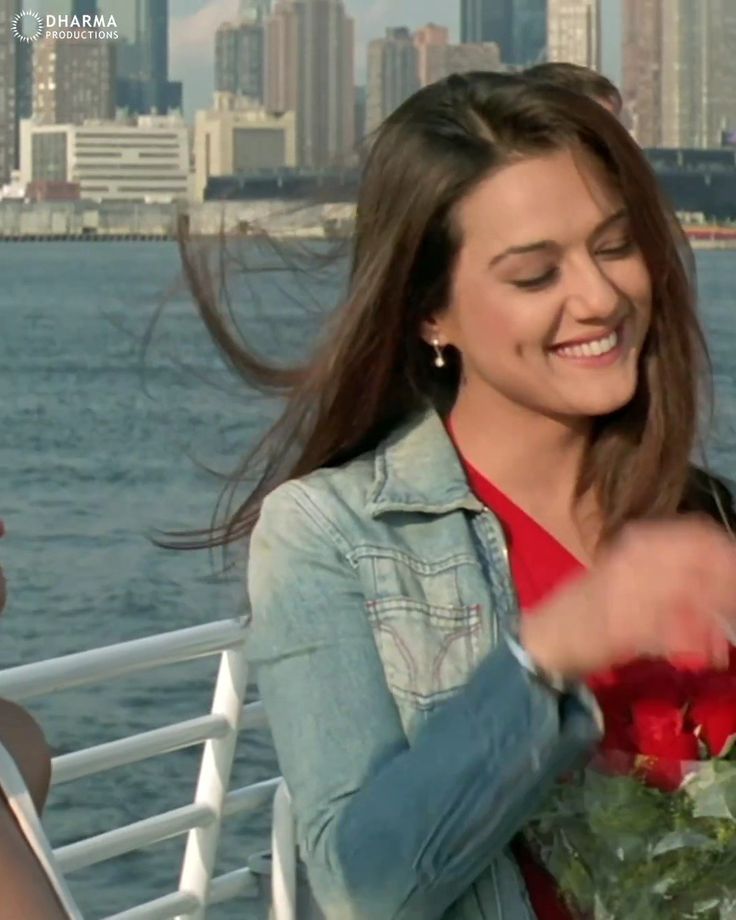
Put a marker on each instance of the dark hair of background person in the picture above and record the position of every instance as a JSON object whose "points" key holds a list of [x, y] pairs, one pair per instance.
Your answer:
{"points": [[371, 369], [578, 79]]}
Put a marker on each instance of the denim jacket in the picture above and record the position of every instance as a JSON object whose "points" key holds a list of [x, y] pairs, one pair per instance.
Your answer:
{"points": [[414, 743]]}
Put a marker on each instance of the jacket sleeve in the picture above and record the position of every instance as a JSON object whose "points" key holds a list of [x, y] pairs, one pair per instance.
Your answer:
{"points": [[388, 830]]}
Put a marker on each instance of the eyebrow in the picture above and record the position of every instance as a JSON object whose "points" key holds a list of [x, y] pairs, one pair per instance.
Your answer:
{"points": [[550, 244]]}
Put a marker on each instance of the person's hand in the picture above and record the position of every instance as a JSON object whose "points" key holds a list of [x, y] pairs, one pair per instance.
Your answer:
{"points": [[663, 589]]}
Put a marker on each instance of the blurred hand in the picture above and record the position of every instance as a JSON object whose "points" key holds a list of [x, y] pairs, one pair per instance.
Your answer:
{"points": [[663, 589]]}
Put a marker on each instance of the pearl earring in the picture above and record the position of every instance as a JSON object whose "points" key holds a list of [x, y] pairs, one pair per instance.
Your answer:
{"points": [[439, 360]]}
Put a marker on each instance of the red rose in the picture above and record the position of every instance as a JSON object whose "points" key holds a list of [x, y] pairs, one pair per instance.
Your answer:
{"points": [[659, 734], [714, 716], [656, 723]]}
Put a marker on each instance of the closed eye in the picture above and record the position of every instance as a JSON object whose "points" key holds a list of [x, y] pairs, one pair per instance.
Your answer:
{"points": [[541, 281], [618, 251]]}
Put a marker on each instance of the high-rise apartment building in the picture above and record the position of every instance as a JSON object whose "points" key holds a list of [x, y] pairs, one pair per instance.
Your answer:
{"points": [[393, 74], [488, 21], [84, 7], [574, 32], [14, 57], [641, 82], [73, 80], [679, 71], [240, 59], [309, 70], [143, 84], [529, 32], [429, 41], [518, 27]]}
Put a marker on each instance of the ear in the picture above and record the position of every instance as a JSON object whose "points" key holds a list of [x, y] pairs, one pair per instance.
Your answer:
{"points": [[431, 330]]}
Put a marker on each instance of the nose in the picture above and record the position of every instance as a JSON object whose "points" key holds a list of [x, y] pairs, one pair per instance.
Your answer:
{"points": [[590, 293]]}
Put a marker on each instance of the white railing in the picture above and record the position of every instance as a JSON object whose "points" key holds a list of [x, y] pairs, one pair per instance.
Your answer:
{"points": [[213, 800]]}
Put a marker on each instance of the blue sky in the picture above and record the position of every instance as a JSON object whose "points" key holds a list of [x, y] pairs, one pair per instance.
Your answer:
{"points": [[193, 24]]}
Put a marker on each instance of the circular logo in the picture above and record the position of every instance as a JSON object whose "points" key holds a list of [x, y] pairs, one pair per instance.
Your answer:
{"points": [[27, 26]]}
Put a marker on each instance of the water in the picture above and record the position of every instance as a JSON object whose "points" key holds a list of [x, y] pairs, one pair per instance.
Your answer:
{"points": [[96, 452]]}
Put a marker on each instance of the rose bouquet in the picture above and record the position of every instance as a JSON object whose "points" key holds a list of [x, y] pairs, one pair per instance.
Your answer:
{"points": [[647, 831]]}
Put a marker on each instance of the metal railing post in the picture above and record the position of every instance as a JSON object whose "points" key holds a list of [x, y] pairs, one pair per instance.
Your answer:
{"points": [[214, 778], [283, 857]]}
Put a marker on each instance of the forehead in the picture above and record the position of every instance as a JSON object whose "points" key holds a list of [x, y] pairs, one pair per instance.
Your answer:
{"points": [[550, 197]]}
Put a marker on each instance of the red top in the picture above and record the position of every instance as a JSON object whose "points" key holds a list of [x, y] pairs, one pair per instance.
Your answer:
{"points": [[538, 564]]}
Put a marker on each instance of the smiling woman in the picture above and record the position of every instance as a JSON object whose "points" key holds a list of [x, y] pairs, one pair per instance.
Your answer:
{"points": [[469, 520]]}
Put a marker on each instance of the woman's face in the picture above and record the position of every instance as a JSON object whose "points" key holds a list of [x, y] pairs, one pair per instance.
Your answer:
{"points": [[547, 263]]}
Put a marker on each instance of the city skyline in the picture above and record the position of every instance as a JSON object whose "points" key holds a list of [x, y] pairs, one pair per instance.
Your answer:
{"points": [[193, 24]]}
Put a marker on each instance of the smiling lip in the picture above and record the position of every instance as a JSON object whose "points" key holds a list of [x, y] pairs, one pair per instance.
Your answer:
{"points": [[607, 359], [586, 341]]}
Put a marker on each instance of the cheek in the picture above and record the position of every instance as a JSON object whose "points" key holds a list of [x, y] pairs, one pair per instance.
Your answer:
{"points": [[632, 279]]}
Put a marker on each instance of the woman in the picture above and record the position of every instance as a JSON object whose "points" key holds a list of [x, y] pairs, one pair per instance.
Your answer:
{"points": [[472, 496], [31, 885]]}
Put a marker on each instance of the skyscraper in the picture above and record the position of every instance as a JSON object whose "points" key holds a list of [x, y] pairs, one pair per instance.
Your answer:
{"points": [[573, 32], [10, 79], [239, 58], [679, 71], [518, 27], [73, 80], [529, 32], [254, 10], [393, 74], [309, 70], [489, 21], [84, 7], [641, 83], [430, 41], [143, 86]]}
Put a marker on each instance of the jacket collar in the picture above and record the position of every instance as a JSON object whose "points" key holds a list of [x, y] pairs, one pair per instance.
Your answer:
{"points": [[417, 468]]}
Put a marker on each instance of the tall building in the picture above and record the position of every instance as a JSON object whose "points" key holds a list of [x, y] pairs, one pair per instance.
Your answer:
{"points": [[11, 74], [573, 32], [529, 32], [254, 10], [143, 84], [84, 7], [73, 81], [641, 78], [488, 21], [239, 58], [518, 27], [679, 71], [429, 41], [393, 74], [309, 70]]}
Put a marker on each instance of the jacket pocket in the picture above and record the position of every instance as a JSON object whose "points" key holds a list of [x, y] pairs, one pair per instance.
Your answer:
{"points": [[428, 650]]}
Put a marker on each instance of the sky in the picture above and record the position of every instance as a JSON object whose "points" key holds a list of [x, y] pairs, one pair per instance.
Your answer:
{"points": [[194, 22]]}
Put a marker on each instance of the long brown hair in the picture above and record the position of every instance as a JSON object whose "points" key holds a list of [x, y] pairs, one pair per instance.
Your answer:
{"points": [[371, 368]]}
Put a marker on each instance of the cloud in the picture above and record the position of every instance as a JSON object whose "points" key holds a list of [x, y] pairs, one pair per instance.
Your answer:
{"points": [[192, 50], [195, 33]]}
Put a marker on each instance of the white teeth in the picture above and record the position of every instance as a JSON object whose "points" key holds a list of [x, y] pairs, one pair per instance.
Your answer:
{"points": [[590, 349]]}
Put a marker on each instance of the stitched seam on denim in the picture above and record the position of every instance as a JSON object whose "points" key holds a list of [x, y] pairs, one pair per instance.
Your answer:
{"points": [[369, 550], [437, 612], [315, 514]]}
